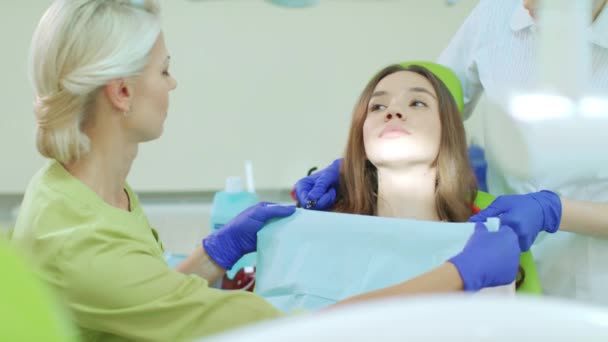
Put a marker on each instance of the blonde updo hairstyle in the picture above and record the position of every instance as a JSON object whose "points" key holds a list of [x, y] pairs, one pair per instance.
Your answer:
{"points": [[77, 48]]}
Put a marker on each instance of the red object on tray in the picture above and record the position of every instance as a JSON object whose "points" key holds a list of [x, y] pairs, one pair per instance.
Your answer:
{"points": [[244, 280]]}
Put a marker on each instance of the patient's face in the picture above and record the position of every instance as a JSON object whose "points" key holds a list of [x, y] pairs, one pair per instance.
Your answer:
{"points": [[402, 127]]}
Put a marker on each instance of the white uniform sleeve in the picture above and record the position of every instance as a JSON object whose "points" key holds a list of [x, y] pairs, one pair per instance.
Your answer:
{"points": [[460, 56]]}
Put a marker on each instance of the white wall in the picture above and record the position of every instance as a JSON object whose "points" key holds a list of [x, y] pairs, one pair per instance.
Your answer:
{"points": [[17, 150], [255, 82]]}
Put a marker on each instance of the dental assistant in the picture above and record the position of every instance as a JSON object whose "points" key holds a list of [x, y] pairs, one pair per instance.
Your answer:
{"points": [[492, 52], [100, 70]]}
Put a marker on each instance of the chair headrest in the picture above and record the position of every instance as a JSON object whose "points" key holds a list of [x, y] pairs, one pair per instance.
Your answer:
{"points": [[447, 76]]}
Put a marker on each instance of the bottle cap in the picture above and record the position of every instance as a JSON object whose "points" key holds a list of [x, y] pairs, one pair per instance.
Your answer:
{"points": [[234, 184]]}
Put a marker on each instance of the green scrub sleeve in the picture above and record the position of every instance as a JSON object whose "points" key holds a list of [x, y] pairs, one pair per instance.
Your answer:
{"points": [[122, 287], [28, 312]]}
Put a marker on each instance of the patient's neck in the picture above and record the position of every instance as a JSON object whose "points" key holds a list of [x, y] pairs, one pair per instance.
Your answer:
{"points": [[407, 193]]}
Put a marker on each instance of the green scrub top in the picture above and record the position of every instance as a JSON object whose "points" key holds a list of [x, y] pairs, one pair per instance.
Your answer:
{"points": [[27, 311], [107, 264]]}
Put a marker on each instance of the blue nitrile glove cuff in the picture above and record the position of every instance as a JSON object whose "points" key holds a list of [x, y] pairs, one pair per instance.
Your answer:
{"points": [[467, 274], [239, 236], [551, 205], [222, 251]]}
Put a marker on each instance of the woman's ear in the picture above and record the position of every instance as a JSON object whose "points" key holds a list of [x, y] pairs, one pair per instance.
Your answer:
{"points": [[119, 93]]}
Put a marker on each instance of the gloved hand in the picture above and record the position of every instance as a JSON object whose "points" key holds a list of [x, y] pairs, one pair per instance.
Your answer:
{"points": [[318, 191], [527, 214], [239, 236], [488, 259]]}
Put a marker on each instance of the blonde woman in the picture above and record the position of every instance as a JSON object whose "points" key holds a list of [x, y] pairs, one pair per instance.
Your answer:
{"points": [[101, 75], [100, 69]]}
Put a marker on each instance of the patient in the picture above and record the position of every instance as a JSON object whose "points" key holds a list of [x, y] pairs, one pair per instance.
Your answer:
{"points": [[405, 158], [406, 152]]}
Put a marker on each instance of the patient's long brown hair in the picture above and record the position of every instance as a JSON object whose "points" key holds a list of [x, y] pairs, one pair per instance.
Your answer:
{"points": [[456, 186]]}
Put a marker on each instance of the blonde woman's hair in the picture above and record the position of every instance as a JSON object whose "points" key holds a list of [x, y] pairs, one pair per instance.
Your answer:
{"points": [[79, 46]]}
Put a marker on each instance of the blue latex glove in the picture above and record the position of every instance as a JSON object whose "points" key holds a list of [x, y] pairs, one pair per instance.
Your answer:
{"points": [[318, 191], [527, 214], [240, 236], [488, 259]]}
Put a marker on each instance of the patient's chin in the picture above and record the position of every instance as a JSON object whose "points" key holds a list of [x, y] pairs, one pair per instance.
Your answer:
{"points": [[398, 154], [393, 160]]}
